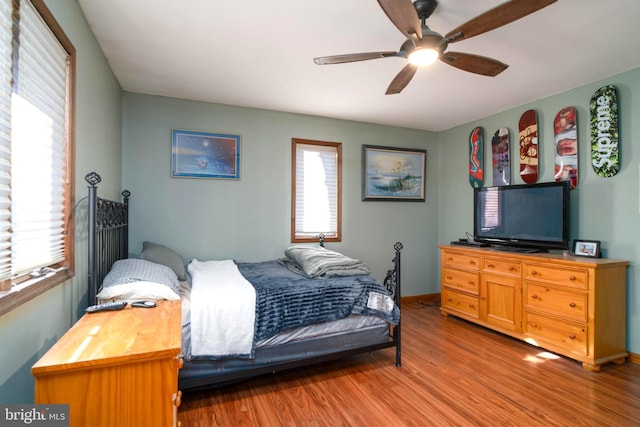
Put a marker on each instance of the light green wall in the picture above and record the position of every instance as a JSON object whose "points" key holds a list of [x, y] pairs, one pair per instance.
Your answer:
{"points": [[27, 332], [249, 219], [605, 209]]}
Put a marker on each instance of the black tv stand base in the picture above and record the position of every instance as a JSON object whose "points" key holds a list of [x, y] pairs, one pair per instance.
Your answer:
{"points": [[469, 243], [517, 249]]}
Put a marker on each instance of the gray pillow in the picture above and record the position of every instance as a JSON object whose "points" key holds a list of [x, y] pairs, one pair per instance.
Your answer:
{"points": [[161, 254], [132, 270]]}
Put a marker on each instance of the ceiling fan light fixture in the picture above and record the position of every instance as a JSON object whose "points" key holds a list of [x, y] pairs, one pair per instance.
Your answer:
{"points": [[425, 56]]}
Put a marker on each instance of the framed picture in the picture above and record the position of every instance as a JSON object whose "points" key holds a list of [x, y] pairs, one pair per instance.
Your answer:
{"points": [[204, 155], [588, 248], [393, 174]]}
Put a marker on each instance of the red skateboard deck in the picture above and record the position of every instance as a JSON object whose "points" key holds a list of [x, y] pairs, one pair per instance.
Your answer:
{"points": [[605, 156], [528, 131], [476, 149], [565, 140], [500, 157]]}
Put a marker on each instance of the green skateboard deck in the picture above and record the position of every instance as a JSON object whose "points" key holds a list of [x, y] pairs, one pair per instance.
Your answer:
{"points": [[476, 149], [605, 155], [565, 139], [528, 132]]}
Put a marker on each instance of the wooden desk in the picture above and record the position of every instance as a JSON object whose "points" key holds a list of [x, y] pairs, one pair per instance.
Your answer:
{"points": [[116, 368]]}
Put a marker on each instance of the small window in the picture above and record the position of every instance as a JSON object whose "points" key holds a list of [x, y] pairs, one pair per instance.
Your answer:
{"points": [[37, 67], [316, 187]]}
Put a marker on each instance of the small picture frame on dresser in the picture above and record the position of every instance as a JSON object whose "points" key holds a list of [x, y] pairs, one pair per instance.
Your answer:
{"points": [[588, 248]]}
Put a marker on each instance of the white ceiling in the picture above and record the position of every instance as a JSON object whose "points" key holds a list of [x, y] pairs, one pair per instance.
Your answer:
{"points": [[257, 53]]}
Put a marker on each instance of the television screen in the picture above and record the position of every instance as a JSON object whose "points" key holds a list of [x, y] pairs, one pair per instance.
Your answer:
{"points": [[535, 216]]}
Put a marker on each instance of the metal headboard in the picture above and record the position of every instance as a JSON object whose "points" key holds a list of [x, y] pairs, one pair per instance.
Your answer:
{"points": [[108, 234]]}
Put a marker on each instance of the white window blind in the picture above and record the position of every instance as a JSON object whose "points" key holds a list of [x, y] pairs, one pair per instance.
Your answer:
{"points": [[317, 181], [38, 146], [5, 141]]}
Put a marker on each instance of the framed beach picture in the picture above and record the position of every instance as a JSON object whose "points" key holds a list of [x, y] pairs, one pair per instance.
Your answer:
{"points": [[393, 174], [204, 155]]}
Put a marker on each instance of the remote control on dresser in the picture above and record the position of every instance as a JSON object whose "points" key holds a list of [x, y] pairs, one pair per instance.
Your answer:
{"points": [[107, 306]]}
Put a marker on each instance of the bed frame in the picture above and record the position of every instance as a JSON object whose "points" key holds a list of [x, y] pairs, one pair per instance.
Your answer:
{"points": [[108, 233], [108, 243]]}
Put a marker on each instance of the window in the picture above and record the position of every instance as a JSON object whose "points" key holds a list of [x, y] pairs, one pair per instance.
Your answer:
{"points": [[37, 71], [316, 187]]}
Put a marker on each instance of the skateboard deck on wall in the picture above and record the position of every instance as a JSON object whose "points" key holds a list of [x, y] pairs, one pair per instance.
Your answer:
{"points": [[476, 149], [500, 157], [565, 131], [528, 132], [605, 157]]}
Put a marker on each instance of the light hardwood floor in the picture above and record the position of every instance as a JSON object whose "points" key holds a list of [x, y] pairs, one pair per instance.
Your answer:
{"points": [[453, 373]]}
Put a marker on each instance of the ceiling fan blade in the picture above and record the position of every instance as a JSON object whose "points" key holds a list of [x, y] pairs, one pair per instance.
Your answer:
{"points": [[402, 79], [474, 63], [403, 15], [496, 17], [353, 57]]}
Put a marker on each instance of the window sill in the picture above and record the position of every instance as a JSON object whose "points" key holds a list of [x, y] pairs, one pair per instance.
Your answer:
{"points": [[25, 291]]}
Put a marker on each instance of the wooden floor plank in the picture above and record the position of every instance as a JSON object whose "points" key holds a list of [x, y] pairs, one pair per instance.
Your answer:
{"points": [[454, 373]]}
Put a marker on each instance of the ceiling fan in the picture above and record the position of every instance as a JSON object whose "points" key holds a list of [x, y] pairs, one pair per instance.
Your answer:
{"points": [[424, 46]]}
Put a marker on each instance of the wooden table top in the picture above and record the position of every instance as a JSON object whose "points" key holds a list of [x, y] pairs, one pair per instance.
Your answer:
{"points": [[107, 338]]}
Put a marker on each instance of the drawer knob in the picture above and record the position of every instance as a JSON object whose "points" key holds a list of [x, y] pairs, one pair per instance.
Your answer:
{"points": [[449, 259], [177, 399], [472, 262], [511, 268], [534, 296], [533, 272], [470, 282], [449, 299], [472, 306], [572, 278], [572, 305], [449, 277], [534, 325], [491, 266], [572, 337]]}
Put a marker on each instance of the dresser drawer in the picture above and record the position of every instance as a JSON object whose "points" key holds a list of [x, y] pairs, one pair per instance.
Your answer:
{"points": [[571, 336], [563, 302], [575, 278], [501, 266], [463, 280], [455, 259], [463, 303]]}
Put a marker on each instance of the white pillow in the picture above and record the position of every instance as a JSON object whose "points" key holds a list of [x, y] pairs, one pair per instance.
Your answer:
{"points": [[137, 291]]}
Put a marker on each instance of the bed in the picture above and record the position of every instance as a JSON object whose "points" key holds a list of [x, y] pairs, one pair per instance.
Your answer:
{"points": [[240, 320]]}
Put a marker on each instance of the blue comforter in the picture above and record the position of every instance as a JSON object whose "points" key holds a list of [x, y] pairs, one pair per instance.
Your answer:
{"points": [[287, 300]]}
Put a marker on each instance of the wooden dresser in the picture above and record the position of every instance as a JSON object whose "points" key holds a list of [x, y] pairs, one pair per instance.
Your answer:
{"points": [[116, 368], [574, 306]]}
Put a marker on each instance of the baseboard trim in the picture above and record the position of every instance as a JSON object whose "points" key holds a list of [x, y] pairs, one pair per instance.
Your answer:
{"points": [[424, 299], [634, 358]]}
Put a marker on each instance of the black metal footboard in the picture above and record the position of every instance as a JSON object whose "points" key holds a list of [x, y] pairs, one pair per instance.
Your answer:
{"points": [[392, 283]]}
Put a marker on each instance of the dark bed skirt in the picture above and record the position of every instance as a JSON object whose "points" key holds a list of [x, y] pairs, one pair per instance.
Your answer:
{"points": [[197, 374]]}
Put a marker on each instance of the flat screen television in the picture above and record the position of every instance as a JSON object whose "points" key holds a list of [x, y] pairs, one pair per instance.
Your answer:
{"points": [[533, 216]]}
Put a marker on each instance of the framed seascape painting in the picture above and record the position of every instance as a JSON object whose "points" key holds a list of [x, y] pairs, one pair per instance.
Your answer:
{"points": [[204, 155], [393, 174]]}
